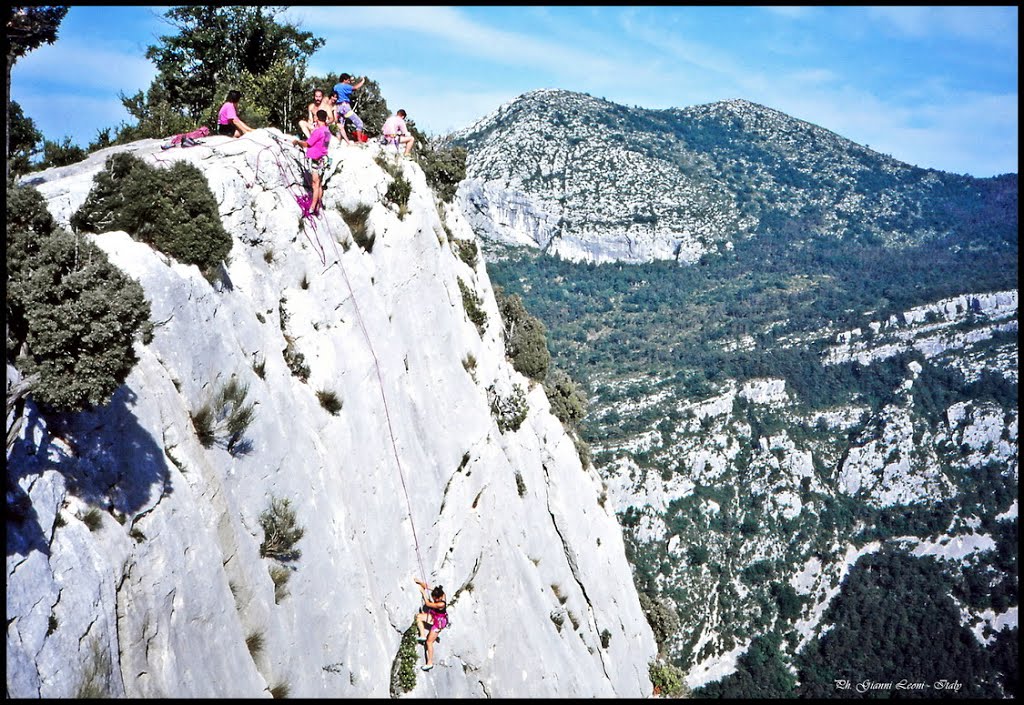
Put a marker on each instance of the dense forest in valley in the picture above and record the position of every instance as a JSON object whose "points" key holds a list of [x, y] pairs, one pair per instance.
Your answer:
{"points": [[896, 633], [665, 320]]}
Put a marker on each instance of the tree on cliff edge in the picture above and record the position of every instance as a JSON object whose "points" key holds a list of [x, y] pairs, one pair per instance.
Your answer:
{"points": [[72, 317], [27, 29], [214, 49]]}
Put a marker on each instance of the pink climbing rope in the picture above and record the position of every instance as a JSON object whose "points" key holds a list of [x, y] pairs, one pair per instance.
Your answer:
{"points": [[318, 247]]}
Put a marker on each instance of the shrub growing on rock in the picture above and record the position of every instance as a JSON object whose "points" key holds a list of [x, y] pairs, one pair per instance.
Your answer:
{"points": [[467, 251], [72, 316], [93, 519], [403, 668], [95, 681], [509, 412], [663, 620], [520, 484], [171, 209], [399, 189], [398, 193], [583, 451], [281, 531], [525, 337], [444, 169], [226, 417], [568, 403], [474, 307], [667, 679], [558, 617], [254, 642], [295, 360], [329, 400]]}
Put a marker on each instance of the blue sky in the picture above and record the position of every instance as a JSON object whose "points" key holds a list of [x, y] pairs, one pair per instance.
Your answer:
{"points": [[931, 86]]}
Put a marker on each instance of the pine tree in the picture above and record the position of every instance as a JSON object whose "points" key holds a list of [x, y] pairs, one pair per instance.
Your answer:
{"points": [[27, 28]]}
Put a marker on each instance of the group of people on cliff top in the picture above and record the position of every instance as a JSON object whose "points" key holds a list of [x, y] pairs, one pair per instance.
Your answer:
{"points": [[331, 112], [321, 116]]}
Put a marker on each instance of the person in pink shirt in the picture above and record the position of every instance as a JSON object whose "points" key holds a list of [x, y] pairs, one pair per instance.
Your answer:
{"points": [[395, 132], [316, 156], [228, 122]]}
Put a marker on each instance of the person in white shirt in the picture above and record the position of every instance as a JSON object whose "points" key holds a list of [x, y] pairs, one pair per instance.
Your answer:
{"points": [[395, 132]]}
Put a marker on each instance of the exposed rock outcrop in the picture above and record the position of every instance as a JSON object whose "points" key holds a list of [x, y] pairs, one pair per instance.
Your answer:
{"points": [[137, 570]]}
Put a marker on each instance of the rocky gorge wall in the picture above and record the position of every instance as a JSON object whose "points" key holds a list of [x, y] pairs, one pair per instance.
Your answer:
{"points": [[136, 570]]}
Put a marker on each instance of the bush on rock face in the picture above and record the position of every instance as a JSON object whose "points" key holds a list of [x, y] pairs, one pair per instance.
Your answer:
{"points": [[281, 531], [663, 620], [171, 209], [474, 307], [568, 402], [72, 316], [667, 679], [444, 169], [508, 411], [525, 337], [225, 418]]}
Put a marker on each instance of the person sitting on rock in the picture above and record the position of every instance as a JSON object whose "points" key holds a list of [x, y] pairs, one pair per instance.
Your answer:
{"points": [[435, 613], [395, 132], [228, 122]]}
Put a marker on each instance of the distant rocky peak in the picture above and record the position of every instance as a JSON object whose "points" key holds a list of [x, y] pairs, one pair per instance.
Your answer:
{"points": [[591, 180]]}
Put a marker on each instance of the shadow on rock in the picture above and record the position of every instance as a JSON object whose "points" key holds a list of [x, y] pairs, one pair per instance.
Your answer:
{"points": [[107, 459]]}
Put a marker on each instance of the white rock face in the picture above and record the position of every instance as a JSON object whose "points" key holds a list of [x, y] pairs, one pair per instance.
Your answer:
{"points": [[411, 478], [933, 330], [545, 172]]}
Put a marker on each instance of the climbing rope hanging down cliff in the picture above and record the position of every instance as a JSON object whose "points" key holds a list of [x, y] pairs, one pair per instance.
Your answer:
{"points": [[288, 175]]}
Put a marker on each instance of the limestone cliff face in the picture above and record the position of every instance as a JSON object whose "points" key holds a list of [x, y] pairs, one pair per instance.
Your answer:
{"points": [[167, 593], [565, 173]]}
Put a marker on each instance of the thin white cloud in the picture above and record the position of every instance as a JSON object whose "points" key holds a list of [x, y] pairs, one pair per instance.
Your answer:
{"points": [[456, 31], [797, 12], [697, 54], [979, 24]]}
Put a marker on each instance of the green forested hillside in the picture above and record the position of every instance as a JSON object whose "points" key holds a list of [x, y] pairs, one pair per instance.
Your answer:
{"points": [[659, 317], [863, 453]]}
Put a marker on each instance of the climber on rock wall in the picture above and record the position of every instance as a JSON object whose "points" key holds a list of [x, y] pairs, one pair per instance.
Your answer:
{"points": [[435, 613]]}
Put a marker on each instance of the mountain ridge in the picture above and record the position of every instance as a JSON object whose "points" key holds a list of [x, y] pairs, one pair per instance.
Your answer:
{"points": [[595, 181]]}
